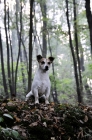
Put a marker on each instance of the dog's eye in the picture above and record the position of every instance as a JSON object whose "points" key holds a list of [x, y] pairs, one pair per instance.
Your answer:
{"points": [[49, 63], [42, 62]]}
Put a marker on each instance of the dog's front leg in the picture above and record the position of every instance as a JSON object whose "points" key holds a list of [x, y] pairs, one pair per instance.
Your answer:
{"points": [[47, 96], [36, 96]]}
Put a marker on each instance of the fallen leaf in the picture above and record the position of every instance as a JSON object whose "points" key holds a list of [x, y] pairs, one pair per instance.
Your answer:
{"points": [[17, 119], [86, 118], [16, 127], [24, 134], [3, 104], [45, 124], [80, 134], [10, 103], [53, 138], [33, 124]]}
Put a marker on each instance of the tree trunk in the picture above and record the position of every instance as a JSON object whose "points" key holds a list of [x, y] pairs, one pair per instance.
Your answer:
{"points": [[73, 55], [7, 44], [11, 52], [19, 43], [77, 49], [89, 19], [3, 71], [21, 58], [44, 29], [30, 46]]}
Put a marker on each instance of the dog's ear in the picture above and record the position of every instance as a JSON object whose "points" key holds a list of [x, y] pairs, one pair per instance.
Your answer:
{"points": [[51, 58], [39, 57]]}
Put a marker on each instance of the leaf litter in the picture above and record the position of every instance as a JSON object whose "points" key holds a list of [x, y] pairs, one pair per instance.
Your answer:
{"points": [[27, 121]]}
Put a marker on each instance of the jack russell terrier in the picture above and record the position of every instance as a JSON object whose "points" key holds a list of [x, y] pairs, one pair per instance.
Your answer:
{"points": [[41, 82]]}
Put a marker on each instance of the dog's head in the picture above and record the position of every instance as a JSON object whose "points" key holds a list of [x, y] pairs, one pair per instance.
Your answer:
{"points": [[44, 63]]}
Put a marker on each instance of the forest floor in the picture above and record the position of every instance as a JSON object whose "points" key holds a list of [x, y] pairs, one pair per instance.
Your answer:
{"points": [[25, 121]]}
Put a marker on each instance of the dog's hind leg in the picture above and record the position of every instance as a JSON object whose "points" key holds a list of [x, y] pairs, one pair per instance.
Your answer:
{"points": [[28, 95]]}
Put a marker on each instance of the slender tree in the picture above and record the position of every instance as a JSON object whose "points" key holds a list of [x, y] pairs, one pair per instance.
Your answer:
{"points": [[19, 42], [11, 52], [2, 67], [73, 55], [77, 48], [89, 19], [7, 45], [21, 53], [30, 46], [44, 28]]}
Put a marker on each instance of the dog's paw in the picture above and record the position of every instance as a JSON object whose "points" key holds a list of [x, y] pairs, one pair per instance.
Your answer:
{"points": [[47, 102], [26, 99], [36, 102]]}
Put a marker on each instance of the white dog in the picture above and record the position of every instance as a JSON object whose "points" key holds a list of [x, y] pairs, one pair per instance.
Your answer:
{"points": [[41, 82]]}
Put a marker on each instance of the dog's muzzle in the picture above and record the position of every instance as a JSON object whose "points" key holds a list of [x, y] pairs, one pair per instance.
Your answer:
{"points": [[46, 68]]}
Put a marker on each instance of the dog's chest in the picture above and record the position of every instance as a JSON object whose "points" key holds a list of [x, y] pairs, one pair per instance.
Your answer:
{"points": [[43, 86], [41, 82]]}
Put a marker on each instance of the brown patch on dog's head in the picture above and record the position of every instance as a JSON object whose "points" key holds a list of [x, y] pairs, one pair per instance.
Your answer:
{"points": [[51, 59], [39, 57]]}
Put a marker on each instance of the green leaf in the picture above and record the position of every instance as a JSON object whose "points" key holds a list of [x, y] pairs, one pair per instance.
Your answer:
{"points": [[90, 66], [1, 119], [6, 131], [8, 116], [15, 134]]}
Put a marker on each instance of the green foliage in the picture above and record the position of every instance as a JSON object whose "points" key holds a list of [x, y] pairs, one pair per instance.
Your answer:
{"points": [[88, 72], [20, 89], [90, 66], [9, 134], [65, 89], [1, 119]]}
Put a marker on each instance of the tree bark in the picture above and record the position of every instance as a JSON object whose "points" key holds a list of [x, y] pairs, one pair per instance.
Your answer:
{"points": [[19, 43], [77, 48], [30, 46], [21, 58], [11, 52], [44, 29], [7, 44], [89, 19], [73, 55], [3, 71]]}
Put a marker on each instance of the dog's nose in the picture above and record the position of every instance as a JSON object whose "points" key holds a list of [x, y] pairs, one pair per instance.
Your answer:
{"points": [[46, 67]]}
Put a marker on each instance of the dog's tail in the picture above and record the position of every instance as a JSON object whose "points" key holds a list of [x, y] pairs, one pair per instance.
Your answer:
{"points": [[28, 95]]}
